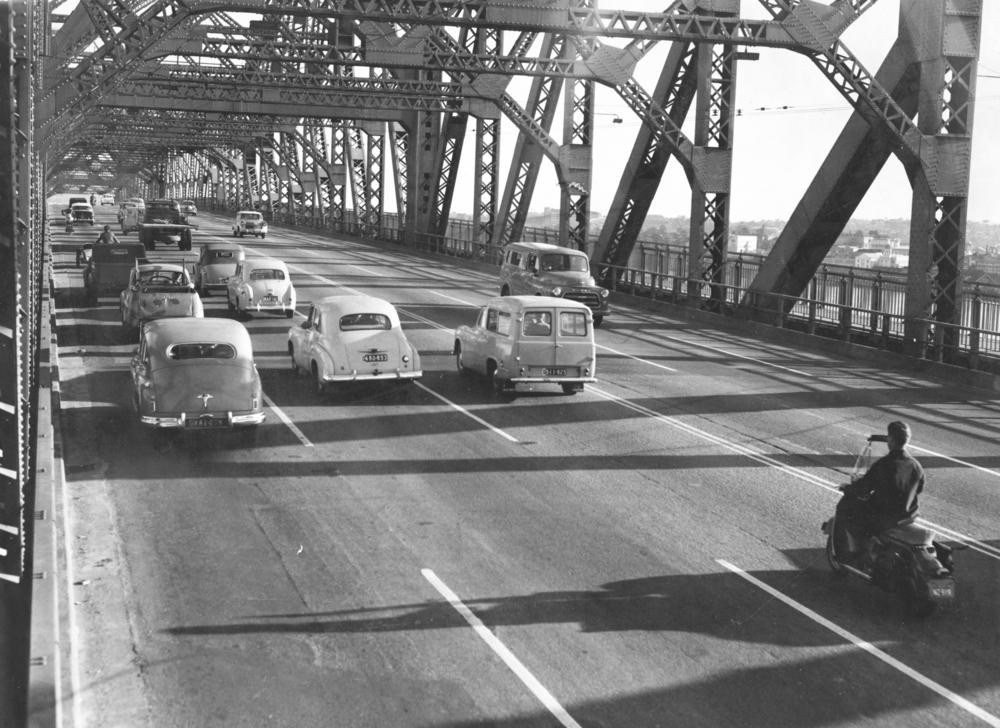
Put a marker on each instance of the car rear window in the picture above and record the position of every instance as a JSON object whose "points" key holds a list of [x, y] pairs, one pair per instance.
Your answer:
{"points": [[537, 323], [365, 321], [572, 323], [201, 351], [252, 217], [221, 254], [267, 274]]}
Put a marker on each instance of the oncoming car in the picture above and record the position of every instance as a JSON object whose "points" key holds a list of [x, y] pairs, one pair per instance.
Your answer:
{"points": [[530, 340], [196, 374], [543, 269], [188, 207], [158, 290], [261, 285], [217, 263], [249, 222], [352, 338]]}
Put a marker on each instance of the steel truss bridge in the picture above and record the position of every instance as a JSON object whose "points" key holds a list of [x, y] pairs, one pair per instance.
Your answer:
{"points": [[311, 109]]}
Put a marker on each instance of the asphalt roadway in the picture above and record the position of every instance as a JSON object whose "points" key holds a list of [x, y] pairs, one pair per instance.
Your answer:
{"points": [[645, 553]]}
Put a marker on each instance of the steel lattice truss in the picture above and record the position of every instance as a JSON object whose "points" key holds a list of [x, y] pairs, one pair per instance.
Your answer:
{"points": [[290, 105]]}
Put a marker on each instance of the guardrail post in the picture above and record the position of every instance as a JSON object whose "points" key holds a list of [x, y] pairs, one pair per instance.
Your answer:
{"points": [[813, 293], [876, 304], [845, 308], [975, 327]]}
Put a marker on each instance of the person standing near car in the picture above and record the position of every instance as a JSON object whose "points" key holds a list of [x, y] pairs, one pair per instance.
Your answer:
{"points": [[107, 237]]}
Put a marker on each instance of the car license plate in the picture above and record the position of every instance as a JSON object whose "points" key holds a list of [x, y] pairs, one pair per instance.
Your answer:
{"points": [[205, 422], [369, 358], [550, 372], [269, 299]]}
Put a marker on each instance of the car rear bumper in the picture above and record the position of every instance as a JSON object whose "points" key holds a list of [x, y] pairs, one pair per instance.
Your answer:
{"points": [[552, 380], [366, 377], [182, 420]]}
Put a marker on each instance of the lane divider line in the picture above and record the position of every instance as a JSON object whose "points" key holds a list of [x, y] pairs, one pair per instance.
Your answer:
{"points": [[467, 413], [502, 651], [974, 544], [637, 358], [868, 647], [288, 422]]}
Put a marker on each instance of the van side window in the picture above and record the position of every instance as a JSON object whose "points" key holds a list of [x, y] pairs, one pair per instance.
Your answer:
{"points": [[572, 323], [491, 319], [514, 257], [503, 323], [532, 262]]}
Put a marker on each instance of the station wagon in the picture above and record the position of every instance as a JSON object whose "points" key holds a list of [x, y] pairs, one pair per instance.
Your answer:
{"points": [[530, 340]]}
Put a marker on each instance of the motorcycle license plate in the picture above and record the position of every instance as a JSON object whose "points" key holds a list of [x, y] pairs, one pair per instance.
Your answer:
{"points": [[942, 591], [369, 358]]}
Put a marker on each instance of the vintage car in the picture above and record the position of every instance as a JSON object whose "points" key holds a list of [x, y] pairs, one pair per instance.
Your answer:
{"points": [[109, 269], [196, 374], [123, 211], [529, 340], [158, 290], [107, 199], [543, 269], [249, 222], [261, 285], [82, 212], [352, 338], [216, 264], [188, 207]]}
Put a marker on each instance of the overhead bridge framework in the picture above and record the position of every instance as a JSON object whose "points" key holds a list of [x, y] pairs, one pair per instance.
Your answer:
{"points": [[324, 110]]}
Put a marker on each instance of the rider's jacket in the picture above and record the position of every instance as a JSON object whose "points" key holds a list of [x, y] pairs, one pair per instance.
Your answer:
{"points": [[891, 486]]}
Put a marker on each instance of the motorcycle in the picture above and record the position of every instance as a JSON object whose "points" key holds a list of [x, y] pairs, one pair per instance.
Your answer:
{"points": [[905, 559]]}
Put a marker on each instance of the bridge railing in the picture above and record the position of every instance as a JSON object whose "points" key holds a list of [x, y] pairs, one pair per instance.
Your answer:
{"points": [[857, 304]]}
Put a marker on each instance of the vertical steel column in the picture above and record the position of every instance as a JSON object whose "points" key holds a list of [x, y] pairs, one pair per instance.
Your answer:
{"points": [[399, 144], [527, 158], [338, 185], [713, 168], [374, 189], [577, 157], [487, 170], [946, 36]]}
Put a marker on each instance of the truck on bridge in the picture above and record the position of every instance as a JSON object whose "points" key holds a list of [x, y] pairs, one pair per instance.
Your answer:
{"points": [[160, 221]]}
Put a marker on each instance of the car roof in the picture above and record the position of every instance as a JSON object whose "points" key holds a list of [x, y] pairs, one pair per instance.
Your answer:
{"points": [[545, 247], [172, 267], [255, 263], [161, 333], [355, 303], [221, 245], [81, 204], [520, 303], [118, 251], [249, 212]]}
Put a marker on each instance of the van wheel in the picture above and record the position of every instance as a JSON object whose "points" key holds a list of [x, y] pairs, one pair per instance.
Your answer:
{"points": [[505, 291], [572, 388], [597, 321]]}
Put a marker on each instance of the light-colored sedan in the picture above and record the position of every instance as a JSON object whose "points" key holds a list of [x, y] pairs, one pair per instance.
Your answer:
{"points": [[217, 263], [158, 290], [261, 285], [352, 339], [249, 222], [196, 374]]}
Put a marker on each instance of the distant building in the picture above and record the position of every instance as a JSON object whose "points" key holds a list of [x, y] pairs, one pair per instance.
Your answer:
{"points": [[742, 243]]}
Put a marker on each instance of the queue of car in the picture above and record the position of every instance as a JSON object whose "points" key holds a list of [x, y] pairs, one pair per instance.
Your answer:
{"points": [[193, 373]]}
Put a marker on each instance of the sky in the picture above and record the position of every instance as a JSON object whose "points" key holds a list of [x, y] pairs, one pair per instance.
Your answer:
{"points": [[777, 150]]}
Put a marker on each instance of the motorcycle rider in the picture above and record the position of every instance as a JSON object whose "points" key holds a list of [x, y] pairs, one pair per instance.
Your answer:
{"points": [[883, 497], [107, 237]]}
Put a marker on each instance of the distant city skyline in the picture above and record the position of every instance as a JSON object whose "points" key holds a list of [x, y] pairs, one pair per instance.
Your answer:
{"points": [[789, 117]]}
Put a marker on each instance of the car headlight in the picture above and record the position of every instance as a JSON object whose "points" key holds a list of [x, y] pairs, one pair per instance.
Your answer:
{"points": [[605, 292], [557, 291]]}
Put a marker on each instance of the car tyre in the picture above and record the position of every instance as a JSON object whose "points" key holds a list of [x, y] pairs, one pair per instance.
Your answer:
{"points": [[597, 321], [291, 356], [229, 303], [289, 313], [318, 383], [459, 366], [572, 388]]}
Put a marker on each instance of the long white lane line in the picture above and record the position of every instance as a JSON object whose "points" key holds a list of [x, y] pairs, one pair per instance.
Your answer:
{"points": [[456, 300], [288, 423], [637, 358], [974, 544], [868, 647], [739, 356], [460, 408], [958, 461], [69, 543], [515, 665]]}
